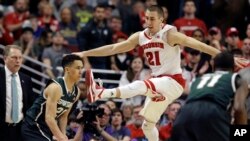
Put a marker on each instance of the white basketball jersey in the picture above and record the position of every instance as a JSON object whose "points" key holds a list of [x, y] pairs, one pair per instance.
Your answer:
{"points": [[162, 58]]}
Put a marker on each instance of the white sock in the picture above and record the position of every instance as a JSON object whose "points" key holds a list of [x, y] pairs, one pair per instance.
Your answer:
{"points": [[108, 93], [133, 89]]}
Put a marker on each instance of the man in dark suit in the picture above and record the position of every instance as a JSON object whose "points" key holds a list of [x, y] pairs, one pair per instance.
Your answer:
{"points": [[16, 94]]}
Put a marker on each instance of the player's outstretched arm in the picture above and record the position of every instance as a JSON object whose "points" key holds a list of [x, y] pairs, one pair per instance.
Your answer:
{"points": [[174, 37], [112, 49]]}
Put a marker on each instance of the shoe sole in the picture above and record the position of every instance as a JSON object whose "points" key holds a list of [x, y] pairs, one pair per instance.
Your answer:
{"points": [[88, 81]]}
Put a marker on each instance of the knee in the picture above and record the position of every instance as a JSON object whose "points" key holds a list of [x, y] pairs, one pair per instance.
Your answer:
{"points": [[148, 126]]}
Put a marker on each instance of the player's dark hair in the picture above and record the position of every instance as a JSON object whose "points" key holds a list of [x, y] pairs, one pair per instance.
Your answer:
{"points": [[224, 61], [156, 8], [69, 59]]}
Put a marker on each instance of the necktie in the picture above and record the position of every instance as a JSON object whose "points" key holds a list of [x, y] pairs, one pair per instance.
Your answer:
{"points": [[14, 94]]}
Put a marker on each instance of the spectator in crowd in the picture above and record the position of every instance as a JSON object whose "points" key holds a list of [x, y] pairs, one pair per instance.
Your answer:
{"points": [[13, 21], [83, 95], [120, 132], [188, 23], [171, 112], [81, 12], [26, 41], [99, 129], [246, 48], [232, 39], [96, 33], [111, 10], [115, 24], [120, 62], [189, 71], [32, 22], [135, 72], [52, 56], [44, 41], [68, 28], [46, 21], [204, 65], [6, 37], [127, 112], [137, 18], [72, 127], [206, 108], [48, 116], [58, 5], [215, 38], [16, 94], [135, 126], [125, 9], [111, 103]]}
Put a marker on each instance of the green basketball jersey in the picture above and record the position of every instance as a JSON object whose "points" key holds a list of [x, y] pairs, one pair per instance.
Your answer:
{"points": [[37, 111], [218, 87]]}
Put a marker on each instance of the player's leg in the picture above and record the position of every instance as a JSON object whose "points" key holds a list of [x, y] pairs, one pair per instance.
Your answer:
{"points": [[153, 109], [96, 92]]}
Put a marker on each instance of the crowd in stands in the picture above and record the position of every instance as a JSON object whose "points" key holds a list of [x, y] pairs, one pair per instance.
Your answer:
{"points": [[48, 29]]}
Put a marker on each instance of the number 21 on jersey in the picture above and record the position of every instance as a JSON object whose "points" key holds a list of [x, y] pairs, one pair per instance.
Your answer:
{"points": [[153, 58]]}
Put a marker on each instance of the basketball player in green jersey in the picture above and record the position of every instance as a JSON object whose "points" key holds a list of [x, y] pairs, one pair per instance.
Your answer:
{"points": [[206, 116], [49, 113]]}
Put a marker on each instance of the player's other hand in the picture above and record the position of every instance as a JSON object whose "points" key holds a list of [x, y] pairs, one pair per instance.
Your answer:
{"points": [[63, 138]]}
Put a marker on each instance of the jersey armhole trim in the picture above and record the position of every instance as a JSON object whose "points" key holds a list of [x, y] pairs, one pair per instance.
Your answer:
{"points": [[233, 81], [49, 84]]}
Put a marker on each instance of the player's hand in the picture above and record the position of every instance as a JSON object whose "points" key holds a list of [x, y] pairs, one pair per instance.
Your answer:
{"points": [[63, 138], [240, 63]]}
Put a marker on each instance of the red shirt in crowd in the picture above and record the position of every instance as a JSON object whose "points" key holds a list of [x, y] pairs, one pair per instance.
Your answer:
{"points": [[6, 37], [187, 26], [135, 132], [15, 18], [165, 131]]}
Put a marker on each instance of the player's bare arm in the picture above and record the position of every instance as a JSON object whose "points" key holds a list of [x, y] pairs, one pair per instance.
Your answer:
{"points": [[112, 49], [53, 94], [174, 37], [64, 118], [239, 107]]}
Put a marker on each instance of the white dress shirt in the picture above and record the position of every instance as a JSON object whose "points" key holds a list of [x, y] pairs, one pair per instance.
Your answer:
{"points": [[9, 97]]}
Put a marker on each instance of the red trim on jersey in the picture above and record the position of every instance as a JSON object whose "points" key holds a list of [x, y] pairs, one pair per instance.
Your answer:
{"points": [[146, 83], [176, 77], [151, 84], [147, 36]]}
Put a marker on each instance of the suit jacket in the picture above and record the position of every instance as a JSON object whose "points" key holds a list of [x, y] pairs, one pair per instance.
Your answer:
{"points": [[28, 95]]}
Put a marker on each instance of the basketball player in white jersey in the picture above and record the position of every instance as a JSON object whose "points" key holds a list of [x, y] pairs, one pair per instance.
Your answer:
{"points": [[161, 47]]}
